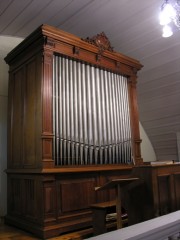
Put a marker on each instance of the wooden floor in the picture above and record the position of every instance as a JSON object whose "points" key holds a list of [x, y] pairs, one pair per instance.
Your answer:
{"points": [[12, 233]]}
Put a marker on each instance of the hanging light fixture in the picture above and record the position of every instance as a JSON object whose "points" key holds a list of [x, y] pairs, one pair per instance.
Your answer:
{"points": [[170, 13], [167, 31]]}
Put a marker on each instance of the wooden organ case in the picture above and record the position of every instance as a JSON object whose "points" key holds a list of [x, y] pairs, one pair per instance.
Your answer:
{"points": [[72, 125]]}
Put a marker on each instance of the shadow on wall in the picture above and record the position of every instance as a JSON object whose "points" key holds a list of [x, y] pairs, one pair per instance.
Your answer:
{"points": [[6, 45], [147, 151]]}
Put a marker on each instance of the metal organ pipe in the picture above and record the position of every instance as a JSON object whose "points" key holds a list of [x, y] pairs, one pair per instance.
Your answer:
{"points": [[91, 119]]}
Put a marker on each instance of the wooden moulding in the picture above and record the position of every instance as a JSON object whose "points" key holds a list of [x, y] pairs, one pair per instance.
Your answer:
{"points": [[72, 169], [57, 40]]}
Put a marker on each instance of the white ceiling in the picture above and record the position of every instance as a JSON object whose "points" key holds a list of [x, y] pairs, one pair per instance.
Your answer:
{"points": [[133, 29]]}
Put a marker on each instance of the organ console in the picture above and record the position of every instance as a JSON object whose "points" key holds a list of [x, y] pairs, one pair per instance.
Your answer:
{"points": [[72, 125]]}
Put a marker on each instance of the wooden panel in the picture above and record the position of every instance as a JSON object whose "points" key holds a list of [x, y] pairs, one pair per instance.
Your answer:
{"points": [[25, 86], [16, 196], [176, 189], [47, 118], [49, 199], [30, 115], [164, 194], [17, 115], [77, 194], [30, 206], [23, 197]]}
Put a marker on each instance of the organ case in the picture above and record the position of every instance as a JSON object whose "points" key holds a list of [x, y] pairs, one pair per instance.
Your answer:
{"points": [[72, 125]]}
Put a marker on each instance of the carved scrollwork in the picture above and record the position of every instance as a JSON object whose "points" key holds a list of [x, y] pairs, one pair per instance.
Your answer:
{"points": [[101, 41]]}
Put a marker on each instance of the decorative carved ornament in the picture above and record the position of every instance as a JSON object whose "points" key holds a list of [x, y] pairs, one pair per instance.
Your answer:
{"points": [[49, 41], [101, 41], [76, 50]]}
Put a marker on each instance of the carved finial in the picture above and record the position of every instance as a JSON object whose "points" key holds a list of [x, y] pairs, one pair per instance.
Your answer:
{"points": [[101, 41]]}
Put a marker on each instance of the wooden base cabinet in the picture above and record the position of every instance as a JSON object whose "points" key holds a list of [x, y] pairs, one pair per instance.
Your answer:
{"points": [[49, 204], [160, 194]]}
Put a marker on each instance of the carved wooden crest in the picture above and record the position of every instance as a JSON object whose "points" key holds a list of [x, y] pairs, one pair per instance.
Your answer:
{"points": [[101, 41]]}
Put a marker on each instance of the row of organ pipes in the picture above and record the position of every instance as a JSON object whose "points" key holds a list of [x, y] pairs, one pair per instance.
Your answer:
{"points": [[91, 116]]}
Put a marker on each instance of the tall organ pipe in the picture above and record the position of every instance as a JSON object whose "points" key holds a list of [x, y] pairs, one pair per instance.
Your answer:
{"points": [[91, 119]]}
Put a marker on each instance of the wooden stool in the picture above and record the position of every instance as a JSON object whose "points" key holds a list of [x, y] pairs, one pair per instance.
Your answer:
{"points": [[100, 209]]}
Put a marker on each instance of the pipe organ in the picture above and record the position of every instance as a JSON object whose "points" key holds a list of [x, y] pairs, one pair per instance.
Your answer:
{"points": [[72, 125], [91, 117]]}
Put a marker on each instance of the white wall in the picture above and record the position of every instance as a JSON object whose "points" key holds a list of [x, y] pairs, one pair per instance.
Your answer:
{"points": [[147, 150], [6, 44]]}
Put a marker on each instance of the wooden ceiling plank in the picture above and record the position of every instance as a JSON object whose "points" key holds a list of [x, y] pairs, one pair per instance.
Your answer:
{"points": [[11, 13]]}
